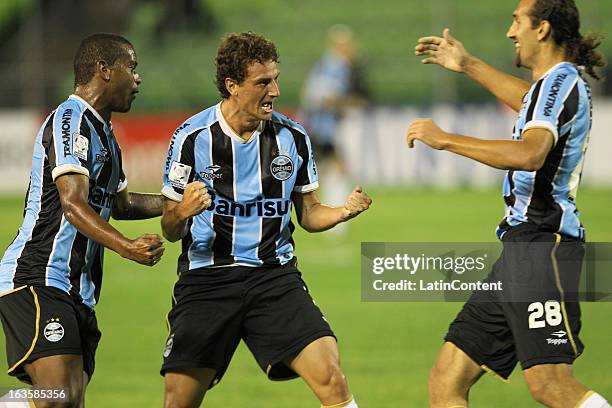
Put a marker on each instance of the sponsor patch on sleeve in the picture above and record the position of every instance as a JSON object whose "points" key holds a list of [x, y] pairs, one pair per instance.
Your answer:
{"points": [[81, 146], [179, 174]]}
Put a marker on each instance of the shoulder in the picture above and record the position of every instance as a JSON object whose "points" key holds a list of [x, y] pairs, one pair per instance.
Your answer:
{"points": [[196, 124], [281, 120], [69, 108]]}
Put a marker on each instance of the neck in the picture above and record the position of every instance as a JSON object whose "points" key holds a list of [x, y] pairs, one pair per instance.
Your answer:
{"points": [[241, 123], [546, 61], [96, 99]]}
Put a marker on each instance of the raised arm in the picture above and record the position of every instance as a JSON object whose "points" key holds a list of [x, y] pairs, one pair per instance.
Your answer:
{"points": [[316, 217], [73, 191], [527, 154], [450, 53]]}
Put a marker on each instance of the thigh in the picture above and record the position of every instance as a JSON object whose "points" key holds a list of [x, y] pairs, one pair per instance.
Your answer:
{"points": [[38, 322], [187, 387], [454, 369], [545, 325], [90, 338], [204, 323], [281, 319], [481, 331]]}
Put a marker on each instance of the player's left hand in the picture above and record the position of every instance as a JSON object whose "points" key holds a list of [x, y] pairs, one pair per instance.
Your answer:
{"points": [[356, 203], [427, 132]]}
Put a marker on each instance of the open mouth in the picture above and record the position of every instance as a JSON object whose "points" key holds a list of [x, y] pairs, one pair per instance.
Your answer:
{"points": [[267, 107]]}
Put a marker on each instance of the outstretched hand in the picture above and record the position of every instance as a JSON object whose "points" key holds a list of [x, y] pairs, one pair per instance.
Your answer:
{"points": [[427, 132], [356, 203], [445, 51]]}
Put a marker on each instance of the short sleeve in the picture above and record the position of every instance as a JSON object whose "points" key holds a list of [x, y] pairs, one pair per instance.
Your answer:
{"points": [[71, 142], [307, 178], [180, 165], [554, 102]]}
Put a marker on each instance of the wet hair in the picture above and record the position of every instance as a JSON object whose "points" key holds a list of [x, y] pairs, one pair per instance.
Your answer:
{"points": [[564, 19], [97, 47], [236, 53]]}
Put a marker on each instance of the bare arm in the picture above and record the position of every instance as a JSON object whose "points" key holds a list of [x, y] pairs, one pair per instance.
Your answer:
{"points": [[527, 154], [176, 214], [73, 190], [449, 53], [316, 217], [137, 206]]}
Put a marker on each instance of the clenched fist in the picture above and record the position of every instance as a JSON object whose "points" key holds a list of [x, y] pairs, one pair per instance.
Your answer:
{"points": [[356, 203], [195, 200], [147, 249]]}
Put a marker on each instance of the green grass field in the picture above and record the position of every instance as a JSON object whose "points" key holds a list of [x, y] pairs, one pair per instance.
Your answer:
{"points": [[387, 349]]}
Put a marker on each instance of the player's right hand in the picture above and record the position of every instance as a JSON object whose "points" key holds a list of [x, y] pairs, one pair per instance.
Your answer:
{"points": [[445, 51], [147, 249], [195, 200]]}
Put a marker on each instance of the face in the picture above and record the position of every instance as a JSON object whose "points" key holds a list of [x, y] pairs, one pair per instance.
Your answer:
{"points": [[524, 36], [256, 94], [124, 82]]}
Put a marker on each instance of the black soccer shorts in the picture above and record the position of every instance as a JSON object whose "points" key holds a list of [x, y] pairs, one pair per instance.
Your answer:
{"points": [[42, 321], [268, 307], [536, 318]]}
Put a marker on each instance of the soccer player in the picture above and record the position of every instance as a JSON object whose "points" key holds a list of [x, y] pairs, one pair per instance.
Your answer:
{"points": [[232, 174], [537, 321], [51, 274]]}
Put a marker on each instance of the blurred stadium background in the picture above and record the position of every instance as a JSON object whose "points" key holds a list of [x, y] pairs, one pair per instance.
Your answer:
{"points": [[419, 195]]}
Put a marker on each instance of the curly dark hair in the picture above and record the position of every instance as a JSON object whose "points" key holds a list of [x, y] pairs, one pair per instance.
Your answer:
{"points": [[564, 18], [236, 53], [97, 47]]}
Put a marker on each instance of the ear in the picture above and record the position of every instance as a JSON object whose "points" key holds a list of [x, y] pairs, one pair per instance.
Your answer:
{"points": [[231, 86], [544, 30], [103, 70]]}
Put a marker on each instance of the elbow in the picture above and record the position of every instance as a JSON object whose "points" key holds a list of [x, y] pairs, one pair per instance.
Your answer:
{"points": [[71, 212], [532, 163]]}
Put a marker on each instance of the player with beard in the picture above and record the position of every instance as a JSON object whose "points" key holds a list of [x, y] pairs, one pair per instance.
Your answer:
{"points": [[536, 320]]}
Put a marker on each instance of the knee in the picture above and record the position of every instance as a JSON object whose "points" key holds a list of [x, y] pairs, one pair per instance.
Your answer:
{"points": [[72, 396], [541, 392], [333, 379]]}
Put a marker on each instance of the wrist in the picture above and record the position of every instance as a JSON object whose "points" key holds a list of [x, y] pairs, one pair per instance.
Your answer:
{"points": [[469, 64], [124, 247]]}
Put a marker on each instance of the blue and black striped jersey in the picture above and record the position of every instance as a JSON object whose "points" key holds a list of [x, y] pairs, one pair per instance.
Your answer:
{"points": [[249, 221], [48, 250], [560, 101]]}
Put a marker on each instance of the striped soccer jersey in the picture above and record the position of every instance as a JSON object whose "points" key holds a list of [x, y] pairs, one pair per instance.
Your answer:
{"points": [[48, 250], [249, 221], [560, 101]]}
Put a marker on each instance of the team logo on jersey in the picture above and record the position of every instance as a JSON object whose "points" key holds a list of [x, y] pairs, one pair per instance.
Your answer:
{"points": [[54, 331], [81, 146], [281, 167], [211, 173], [169, 344], [179, 174]]}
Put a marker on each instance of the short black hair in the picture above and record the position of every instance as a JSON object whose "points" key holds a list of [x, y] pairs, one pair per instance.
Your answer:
{"points": [[97, 47], [236, 52]]}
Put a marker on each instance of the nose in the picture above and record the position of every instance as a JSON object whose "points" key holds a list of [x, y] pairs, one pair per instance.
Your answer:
{"points": [[137, 79], [274, 90], [511, 32]]}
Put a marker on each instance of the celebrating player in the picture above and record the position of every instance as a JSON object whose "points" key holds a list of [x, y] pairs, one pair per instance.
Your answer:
{"points": [[537, 321], [51, 274], [232, 174]]}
